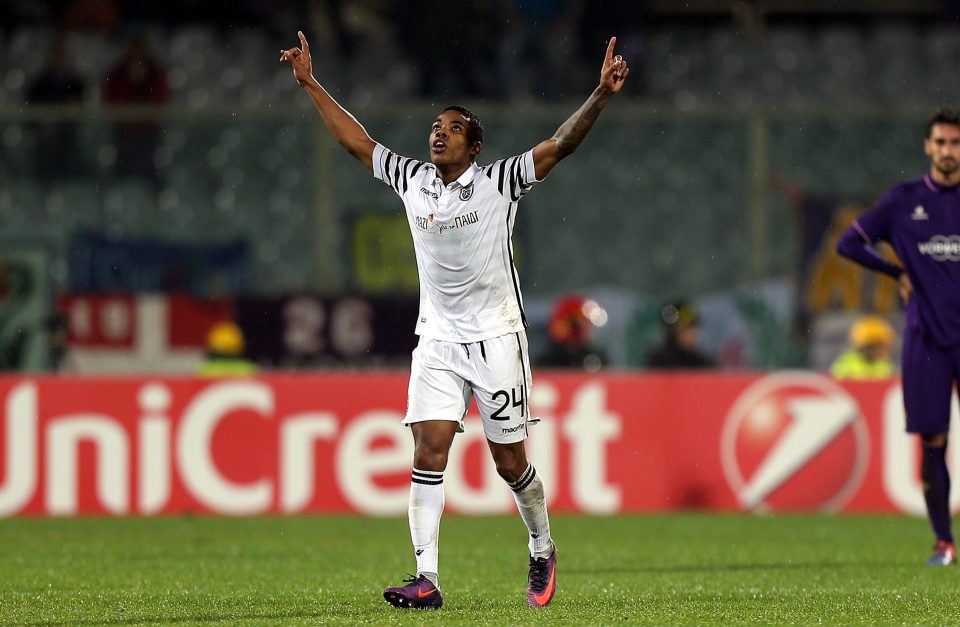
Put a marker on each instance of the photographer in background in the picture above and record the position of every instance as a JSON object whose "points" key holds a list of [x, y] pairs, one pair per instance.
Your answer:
{"points": [[681, 336], [871, 344], [570, 334]]}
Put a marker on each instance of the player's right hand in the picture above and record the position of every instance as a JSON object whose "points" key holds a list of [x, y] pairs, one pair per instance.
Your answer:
{"points": [[906, 287], [299, 59]]}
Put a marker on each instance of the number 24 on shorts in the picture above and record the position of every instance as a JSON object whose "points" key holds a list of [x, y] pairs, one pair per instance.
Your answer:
{"points": [[516, 397]]}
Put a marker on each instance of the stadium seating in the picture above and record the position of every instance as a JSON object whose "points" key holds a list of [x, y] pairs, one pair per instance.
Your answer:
{"points": [[664, 178], [788, 65]]}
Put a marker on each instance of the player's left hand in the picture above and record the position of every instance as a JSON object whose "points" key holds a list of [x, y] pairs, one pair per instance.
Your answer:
{"points": [[300, 59], [614, 70]]}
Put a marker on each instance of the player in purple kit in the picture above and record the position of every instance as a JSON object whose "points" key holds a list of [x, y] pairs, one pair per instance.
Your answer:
{"points": [[921, 220]]}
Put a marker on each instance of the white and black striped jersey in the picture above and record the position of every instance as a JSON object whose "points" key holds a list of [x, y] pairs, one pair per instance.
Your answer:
{"points": [[469, 288]]}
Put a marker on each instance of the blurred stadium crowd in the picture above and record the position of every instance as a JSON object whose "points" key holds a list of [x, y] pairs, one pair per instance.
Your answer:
{"points": [[147, 147], [726, 52]]}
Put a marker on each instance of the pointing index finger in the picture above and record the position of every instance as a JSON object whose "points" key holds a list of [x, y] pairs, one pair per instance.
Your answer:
{"points": [[610, 46], [303, 41]]}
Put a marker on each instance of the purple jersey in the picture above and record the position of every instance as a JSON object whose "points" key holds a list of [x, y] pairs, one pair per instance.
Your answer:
{"points": [[921, 220]]}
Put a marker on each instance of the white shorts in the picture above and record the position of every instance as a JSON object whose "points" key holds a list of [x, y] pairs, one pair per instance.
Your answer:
{"points": [[445, 376]]}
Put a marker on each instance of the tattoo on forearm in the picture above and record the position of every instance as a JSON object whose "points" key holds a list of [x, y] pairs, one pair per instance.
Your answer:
{"points": [[572, 132]]}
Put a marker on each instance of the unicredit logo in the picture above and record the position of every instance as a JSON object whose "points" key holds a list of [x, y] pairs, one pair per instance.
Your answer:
{"points": [[794, 441], [272, 444]]}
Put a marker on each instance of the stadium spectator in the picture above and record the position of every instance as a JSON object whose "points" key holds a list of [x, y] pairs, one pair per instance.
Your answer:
{"points": [[21, 330], [58, 343], [539, 47], [950, 10], [471, 324], [919, 219], [570, 334], [95, 15], [871, 343], [681, 336], [470, 66], [138, 78], [633, 19], [57, 154], [225, 353]]}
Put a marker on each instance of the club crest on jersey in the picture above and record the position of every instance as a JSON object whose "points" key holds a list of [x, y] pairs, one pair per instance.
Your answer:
{"points": [[466, 193], [919, 213]]}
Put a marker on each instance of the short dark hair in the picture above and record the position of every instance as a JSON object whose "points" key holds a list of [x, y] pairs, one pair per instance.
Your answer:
{"points": [[943, 115], [475, 131]]}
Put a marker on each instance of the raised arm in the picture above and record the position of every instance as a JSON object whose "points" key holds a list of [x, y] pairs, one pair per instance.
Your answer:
{"points": [[548, 153], [348, 132]]}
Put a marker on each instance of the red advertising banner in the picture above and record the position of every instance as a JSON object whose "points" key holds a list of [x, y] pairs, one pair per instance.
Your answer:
{"points": [[329, 442]]}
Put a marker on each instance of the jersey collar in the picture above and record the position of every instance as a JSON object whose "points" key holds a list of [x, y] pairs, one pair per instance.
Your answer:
{"points": [[467, 177], [937, 187]]}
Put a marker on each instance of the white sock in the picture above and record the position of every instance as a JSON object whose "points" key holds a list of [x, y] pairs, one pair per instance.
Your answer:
{"points": [[532, 503], [424, 510]]}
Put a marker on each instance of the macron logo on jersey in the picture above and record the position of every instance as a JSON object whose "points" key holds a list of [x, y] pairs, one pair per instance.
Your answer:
{"points": [[941, 247], [919, 213]]}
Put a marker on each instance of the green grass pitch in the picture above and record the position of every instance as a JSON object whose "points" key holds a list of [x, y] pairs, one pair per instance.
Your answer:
{"points": [[656, 569]]}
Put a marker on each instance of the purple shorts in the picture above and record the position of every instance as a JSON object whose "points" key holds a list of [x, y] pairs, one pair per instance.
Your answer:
{"points": [[929, 376]]}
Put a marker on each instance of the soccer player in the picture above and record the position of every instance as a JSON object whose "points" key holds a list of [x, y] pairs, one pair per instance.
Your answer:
{"points": [[921, 220], [471, 324]]}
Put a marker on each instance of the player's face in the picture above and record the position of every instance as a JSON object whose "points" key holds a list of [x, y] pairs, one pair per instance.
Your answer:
{"points": [[448, 140], [943, 148]]}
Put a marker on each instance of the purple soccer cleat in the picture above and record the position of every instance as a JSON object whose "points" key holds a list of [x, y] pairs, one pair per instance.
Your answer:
{"points": [[944, 554], [542, 580], [419, 594]]}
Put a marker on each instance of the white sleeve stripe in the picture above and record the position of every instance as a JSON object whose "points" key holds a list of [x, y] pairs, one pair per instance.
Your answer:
{"points": [[394, 164], [407, 174], [395, 170], [384, 155], [396, 173], [386, 169], [515, 178], [503, 169], [511, 175]]}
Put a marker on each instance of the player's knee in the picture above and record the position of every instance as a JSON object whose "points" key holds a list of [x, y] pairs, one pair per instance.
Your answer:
{"points": [[431, 444], [428, 456]]}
